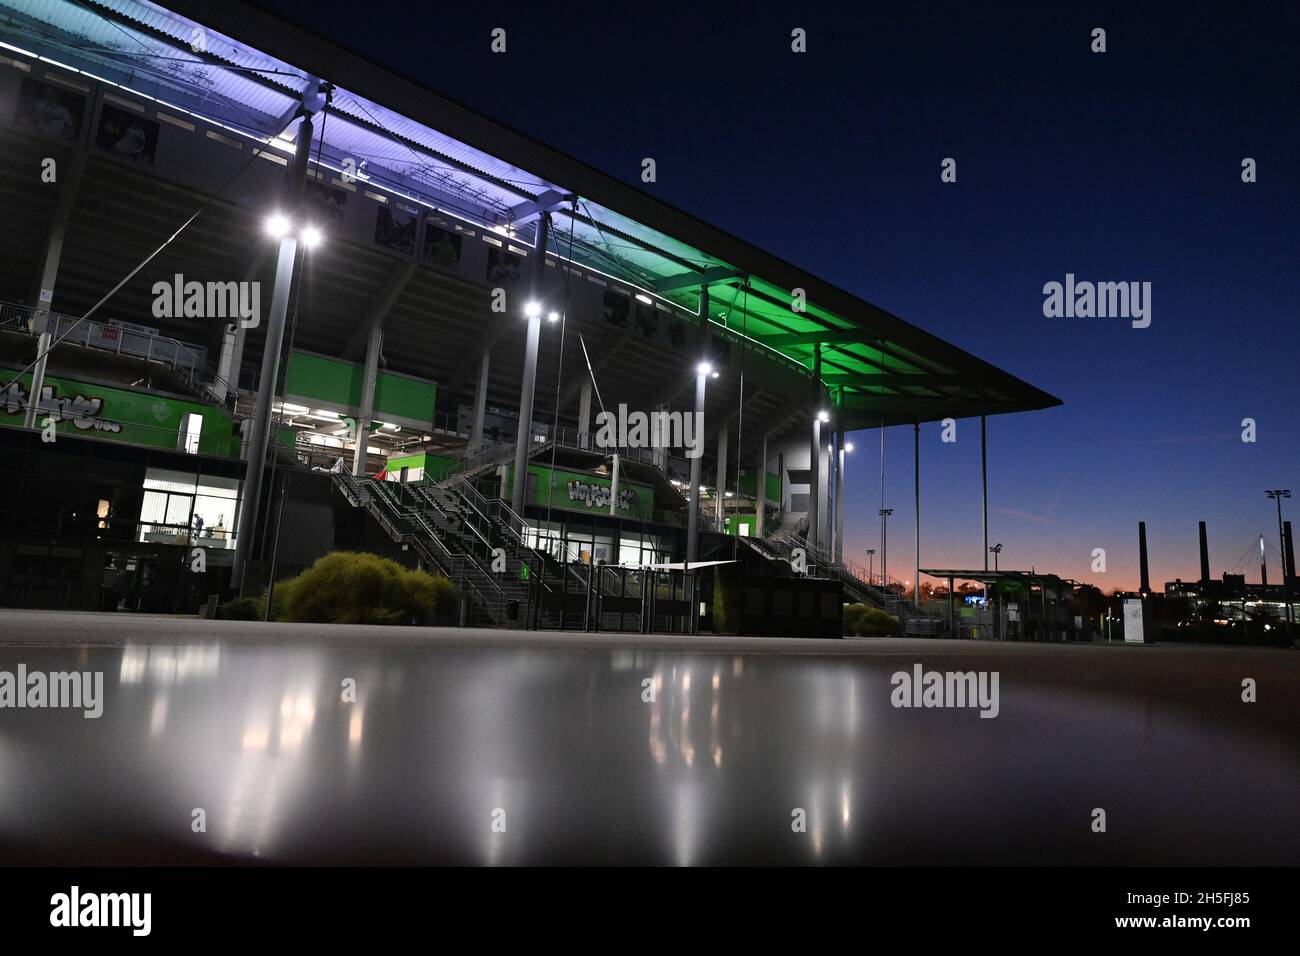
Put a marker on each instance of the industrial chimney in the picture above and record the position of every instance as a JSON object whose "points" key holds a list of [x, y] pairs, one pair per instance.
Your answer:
{"points": [[1142, 557], [1288, 550], [1205, 558]]}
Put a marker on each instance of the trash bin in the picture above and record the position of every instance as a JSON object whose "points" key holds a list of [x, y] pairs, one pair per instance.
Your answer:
{"points": [[512, 610]]}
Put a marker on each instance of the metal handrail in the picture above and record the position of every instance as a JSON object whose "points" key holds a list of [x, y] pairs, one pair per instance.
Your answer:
{"points": [[888, 592], [467, 559], [491, 455], [422, 494], [392, 516], [18, 317]]}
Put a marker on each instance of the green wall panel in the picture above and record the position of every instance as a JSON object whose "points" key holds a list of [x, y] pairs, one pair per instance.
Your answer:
{"points": [[315, 377], [142, 418], [748, 487]]}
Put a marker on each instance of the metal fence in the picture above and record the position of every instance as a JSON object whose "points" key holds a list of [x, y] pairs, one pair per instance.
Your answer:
{"points": [[186, 359]]}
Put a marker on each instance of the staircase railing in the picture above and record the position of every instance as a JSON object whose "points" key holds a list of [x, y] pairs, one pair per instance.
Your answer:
{"points": [[187, 361], [407, 525], [885, 592]]}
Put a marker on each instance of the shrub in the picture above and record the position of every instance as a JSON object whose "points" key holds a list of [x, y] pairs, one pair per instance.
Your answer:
{"points": [[433, 595], [863, 620], [727, 581], [350, 587], [241, 609]]}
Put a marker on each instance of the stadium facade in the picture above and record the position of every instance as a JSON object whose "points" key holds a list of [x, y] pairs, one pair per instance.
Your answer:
{"points": [[249, 401]]}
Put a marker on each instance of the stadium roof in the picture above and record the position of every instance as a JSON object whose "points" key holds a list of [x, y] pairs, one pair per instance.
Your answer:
{"points": [[211, 57]]}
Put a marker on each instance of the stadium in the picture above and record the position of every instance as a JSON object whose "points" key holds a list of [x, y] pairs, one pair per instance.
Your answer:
{"points": [[264, 299]]}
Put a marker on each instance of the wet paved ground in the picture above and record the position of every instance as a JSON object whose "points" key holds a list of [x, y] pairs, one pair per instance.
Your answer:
{"points": [[455, 735]]}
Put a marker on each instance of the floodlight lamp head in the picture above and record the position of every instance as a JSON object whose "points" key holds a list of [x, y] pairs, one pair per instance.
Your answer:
{"points": [[277, 225]]}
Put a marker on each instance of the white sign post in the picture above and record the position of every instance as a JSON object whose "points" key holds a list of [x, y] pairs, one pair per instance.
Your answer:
{"points": [[1134, 632]]}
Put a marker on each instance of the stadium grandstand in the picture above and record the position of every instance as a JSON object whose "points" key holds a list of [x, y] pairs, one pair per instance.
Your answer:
{"points": [[263, 299]]}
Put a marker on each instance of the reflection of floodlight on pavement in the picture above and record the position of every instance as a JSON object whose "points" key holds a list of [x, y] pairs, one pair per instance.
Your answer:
{"points": [[311, 237], [704, 368], [533, 309], [277, 225]]}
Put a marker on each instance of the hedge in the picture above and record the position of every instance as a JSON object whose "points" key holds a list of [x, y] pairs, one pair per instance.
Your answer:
{"points": [[354, 587], [863, 620]]}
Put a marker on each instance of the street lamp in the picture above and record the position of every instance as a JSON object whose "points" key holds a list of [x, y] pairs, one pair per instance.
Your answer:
{"points": [[280, 227], [277, 225], [528, 382], [703, 372], [1277, 494], [995, 551], [845, 448], [884, 545]]}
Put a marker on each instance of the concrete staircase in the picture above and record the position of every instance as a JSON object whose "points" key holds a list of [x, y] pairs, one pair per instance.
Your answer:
{"points": [[442, 543]]}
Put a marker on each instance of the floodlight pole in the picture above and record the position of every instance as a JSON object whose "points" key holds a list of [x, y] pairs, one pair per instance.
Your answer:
{"points": [[984, 485], [839, 502], [815, 449], [524, 435], [884, 546], [693, 509], [984, 494], [253, 472], [916, 487]]}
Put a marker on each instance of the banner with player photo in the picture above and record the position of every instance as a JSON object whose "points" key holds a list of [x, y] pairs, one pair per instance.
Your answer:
{"points": [[49, 110]]}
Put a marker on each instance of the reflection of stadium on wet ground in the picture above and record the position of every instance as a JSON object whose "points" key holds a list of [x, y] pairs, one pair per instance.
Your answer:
{"points": [[451, 726]]}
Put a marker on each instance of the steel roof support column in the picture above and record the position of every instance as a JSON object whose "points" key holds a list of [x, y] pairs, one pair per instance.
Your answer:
{"points": [[584, 414], [815, 448], [480, 402], [49, 277], [829, 479], [840, 448], [840, 501], [233, 344], [524, 435], [760, 516], [823, 509], [916, 488], [720, 509], [984, 495], [701, 378], [375, 346], [984, 488]]}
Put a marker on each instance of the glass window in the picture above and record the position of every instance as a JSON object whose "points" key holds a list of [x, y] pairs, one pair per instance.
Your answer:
{"points": [[154, 508], [178, 509]]}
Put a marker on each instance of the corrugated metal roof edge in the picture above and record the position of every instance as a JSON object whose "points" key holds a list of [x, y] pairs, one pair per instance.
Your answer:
{"points": [[360, 74]]}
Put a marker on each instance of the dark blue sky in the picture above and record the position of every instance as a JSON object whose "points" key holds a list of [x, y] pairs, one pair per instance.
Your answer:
{"points": [[1117, 166]]}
